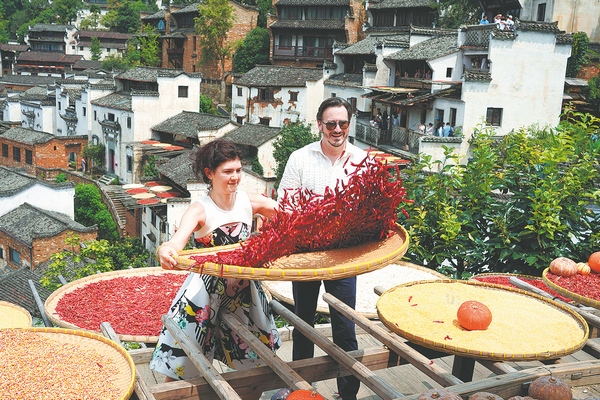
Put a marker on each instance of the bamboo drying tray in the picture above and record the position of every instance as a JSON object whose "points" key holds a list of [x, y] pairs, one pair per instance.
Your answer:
{"points": [[524, 326], [507, 275], [568, 294], [314, 266], [282, 291], [124, 380], [52, 301], [14, 316]]}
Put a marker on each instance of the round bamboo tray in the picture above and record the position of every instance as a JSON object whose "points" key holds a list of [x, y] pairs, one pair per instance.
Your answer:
{"points": [[52, 301], [14, 316], [314, 266], [425, 313], [568, 294], [523, 277], [366, 299], [124, 380]]}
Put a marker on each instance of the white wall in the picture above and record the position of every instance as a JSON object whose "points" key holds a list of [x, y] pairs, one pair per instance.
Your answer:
{"points": [[39, 195], [440, 65], [266, 159]]}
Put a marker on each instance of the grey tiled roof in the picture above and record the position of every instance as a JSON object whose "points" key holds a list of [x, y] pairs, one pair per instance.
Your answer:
{"points": [[107, 83], [85, 64], [14, 182], [345, 80], [252, 134], [576, 82], [537, 26], [120, 101], [564, 38], [385, 29], [179, 170], [27, 136], [28, 222], [504, 34], [148, 74], [329, 65], [13, 47], [368, 45], [428, 50], [157, 15], [271, 75], [187, 9], [14, 288], [38, 56], [309, 24], [104, 35], [370, 67], [50, 27], [189, 123], [473, 75], [420, 30], [313, 3], [27, 80], [35, 93], [386, 4]]}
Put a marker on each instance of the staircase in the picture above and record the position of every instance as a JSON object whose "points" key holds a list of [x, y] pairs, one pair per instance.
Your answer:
{"points": [[117, 205], [106, 180]]}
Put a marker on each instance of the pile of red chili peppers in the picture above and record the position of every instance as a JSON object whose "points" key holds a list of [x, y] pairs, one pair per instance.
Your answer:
{"points": [[583, 285], [505, 281], [364, 209]]}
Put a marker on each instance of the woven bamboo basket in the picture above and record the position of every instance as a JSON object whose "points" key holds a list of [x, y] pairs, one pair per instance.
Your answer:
{"points": [[124, 380], [314, 266], [14, 316], [425, 313], [520, 276], [366, 299], [52, 301], [567, 293]]}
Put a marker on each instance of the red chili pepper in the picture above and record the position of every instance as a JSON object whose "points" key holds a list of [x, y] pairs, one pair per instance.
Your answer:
{"points": [[431, 362], [447, 338], [413, 305], [409, 299], [439, 322]]}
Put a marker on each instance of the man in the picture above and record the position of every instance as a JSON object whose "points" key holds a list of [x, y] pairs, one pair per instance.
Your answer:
{"points": [[446, 129], [315, 167], [484, 21]]}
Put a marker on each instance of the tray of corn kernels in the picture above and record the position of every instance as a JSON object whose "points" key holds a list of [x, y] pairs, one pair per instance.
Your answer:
{"points": [[55, 363], [13, 316], [523, 326]]}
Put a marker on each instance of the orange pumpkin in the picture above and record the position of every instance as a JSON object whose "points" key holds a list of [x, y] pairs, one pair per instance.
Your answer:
{"points": [[485, 396], [563, 266], [474, 315], [305, 395], [439, 394], [583, 268], [594, 262], [550, 388]]}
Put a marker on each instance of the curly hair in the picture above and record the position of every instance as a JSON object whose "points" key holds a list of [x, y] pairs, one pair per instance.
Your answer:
{"points": [[211, 155]]}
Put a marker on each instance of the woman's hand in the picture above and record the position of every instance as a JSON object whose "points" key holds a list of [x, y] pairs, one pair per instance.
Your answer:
{"points": [[165, 254]]}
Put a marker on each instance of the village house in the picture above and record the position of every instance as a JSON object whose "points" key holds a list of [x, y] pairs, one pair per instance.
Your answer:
{"points": [[45, 63], [144, 96], [8, 57], [34, 107], [303, 31], [110, 43], [36, 151], [192, 128], [275, 95], [49, 37], [29, 235], [393, 16]]}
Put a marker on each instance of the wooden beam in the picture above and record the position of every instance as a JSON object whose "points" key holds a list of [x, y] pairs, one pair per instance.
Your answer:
{"points": [[257, 380], [374, 382], [421, 362], [39, 303], [497, 367]]}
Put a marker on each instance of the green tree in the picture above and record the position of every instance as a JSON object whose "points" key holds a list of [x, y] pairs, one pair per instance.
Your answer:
{"points": [[207, 106], [264, 8], [67, 10], [95, 155], [150, 47], [578, 54], [291, 137], [114, 62], [593, 92], [253, 50], [4, 34], [89, 210], [93, 20], [215, 19], [454, 13], [95, 49], [123, 16]]}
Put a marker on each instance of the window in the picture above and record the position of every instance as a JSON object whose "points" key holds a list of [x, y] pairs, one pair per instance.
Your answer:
{"points": [[129, 122], [80, 47], [494, 116], [72, 47], [1, 253], [182, 91], [285, 41], [84, 111], [59, 105], [291, 12], [453, 117], [240, 120], [14, 255], [194, 43], [129, 163], [424, 116], [95, 115], [108, 50], [153, 218], [448, 72], [239, 90], [4, 150], [352, 101], [333, 95], [266, 95], [293, 96], [111, 117], [265, 121], [16, 154], [28, 157], [541, 12]]}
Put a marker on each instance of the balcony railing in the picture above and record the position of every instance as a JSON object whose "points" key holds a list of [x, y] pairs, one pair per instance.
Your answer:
{"points": [[478, 35], [321, 53]]}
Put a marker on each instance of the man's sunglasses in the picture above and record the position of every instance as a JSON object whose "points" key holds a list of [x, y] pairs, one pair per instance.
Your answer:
{"points": [[331, 125]]}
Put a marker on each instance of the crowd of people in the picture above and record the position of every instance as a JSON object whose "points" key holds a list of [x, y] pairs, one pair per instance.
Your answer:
{"points": [[503, 21], [441, 130]]}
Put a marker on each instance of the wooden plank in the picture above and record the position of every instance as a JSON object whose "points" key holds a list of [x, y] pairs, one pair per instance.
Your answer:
{"points": [[421, 362], [215, 380], [253, 380], [497, 367], [39, 303], [140, 387], [365, 375], [463, 368], [287, 374]]}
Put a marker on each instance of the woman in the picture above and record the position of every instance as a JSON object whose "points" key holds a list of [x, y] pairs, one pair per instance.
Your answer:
{"points": [[223, 217]]}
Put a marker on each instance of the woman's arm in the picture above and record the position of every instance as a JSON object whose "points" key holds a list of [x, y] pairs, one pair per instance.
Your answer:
{"points": [[192, 220], [263, 205]]}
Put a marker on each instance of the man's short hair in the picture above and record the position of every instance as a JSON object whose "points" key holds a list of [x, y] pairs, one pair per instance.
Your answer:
{"points": [[334, 102]]}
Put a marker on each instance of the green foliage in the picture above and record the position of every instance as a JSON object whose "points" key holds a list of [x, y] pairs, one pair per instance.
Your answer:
{"points": [[256, 166], [61, 178], [95, 154], [455, 13], [105, 256], [291, 138], [253, 50], [149, 48], [67, 10], [89, 210], [513, 207], [4, 35], [114, 62], [92, 21], [123, 16], [215, 19], [207, 106], [578, 57], [149, 166], [95, 49]]}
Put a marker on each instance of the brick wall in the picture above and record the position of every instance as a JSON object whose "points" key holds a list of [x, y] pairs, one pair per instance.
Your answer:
{"points": [[8, 159], [589, 70], [354, 31], [7, 242], [43, 248], [133, 222]]}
